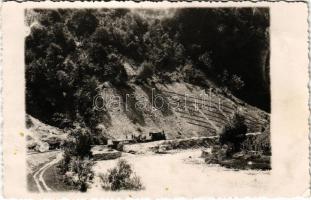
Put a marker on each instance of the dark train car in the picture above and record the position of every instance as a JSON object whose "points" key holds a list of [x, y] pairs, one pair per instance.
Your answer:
{"points": [[157, 136]]}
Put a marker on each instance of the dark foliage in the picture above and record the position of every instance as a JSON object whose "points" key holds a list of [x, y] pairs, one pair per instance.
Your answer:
{"points": [[76, 165], [82, 23], [146, 71], [232, 39], [69, 53], [121, 177], [78, 143], [233, 134], [78, 173], [258, 143]]}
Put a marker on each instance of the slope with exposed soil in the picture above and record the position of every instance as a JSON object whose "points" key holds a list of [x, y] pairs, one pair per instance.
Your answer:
{"points": [[181, 113], [184, 111]]}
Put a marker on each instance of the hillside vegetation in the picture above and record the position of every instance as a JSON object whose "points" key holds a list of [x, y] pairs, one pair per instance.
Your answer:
{"points": [[74, 55]]}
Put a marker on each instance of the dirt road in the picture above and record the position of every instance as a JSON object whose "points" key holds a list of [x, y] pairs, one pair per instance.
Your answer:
{"points": [[38, 173], [38, 176]]}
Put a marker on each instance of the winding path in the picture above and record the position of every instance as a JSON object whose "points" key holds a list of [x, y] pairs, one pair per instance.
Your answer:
{"points": [[38, 176]]}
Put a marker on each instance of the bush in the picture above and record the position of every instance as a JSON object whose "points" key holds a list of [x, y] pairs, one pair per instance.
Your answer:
{"points": [[121, 177], [76, 166], [146, 71], [82, 23], [78, 143], [233, 134], [236, 83], [79, 173], [61, 120], [233, 82], [259, 143], [29, 123]]}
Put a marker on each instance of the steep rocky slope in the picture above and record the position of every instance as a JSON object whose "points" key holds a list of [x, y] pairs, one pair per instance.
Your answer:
{"points": [[181, 110]]}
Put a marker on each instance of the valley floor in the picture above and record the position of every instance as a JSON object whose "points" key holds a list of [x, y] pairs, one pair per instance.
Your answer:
{"points": [[176, 173], [182, 173]]}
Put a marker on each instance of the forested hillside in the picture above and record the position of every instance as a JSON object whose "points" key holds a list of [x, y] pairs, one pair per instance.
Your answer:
{"points": [[71, 55]]}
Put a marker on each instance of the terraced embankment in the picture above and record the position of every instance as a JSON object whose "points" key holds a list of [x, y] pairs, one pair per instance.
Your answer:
{"points": [[181, 110], [215, 110]]}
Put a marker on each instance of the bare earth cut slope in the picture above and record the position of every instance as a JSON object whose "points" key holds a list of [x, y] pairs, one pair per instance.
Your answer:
{"points": [[184, 111]]}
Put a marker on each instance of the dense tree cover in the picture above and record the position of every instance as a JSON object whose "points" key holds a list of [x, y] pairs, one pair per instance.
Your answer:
{"points": [[233, 41], [69, 53]]}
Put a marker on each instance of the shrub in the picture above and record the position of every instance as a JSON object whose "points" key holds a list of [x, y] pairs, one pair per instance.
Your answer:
{"points": [[233, 82], [259, 143], [82, 23], [236, 83], [29, 123], [78, 143], [205, 58], [121, 177], [79, 173], [233, 133], [76, 166], [61, 120], [146, 71]]}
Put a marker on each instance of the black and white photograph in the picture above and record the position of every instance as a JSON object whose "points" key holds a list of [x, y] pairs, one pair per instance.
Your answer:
{"points": [[116, 97], [155, 100]]}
